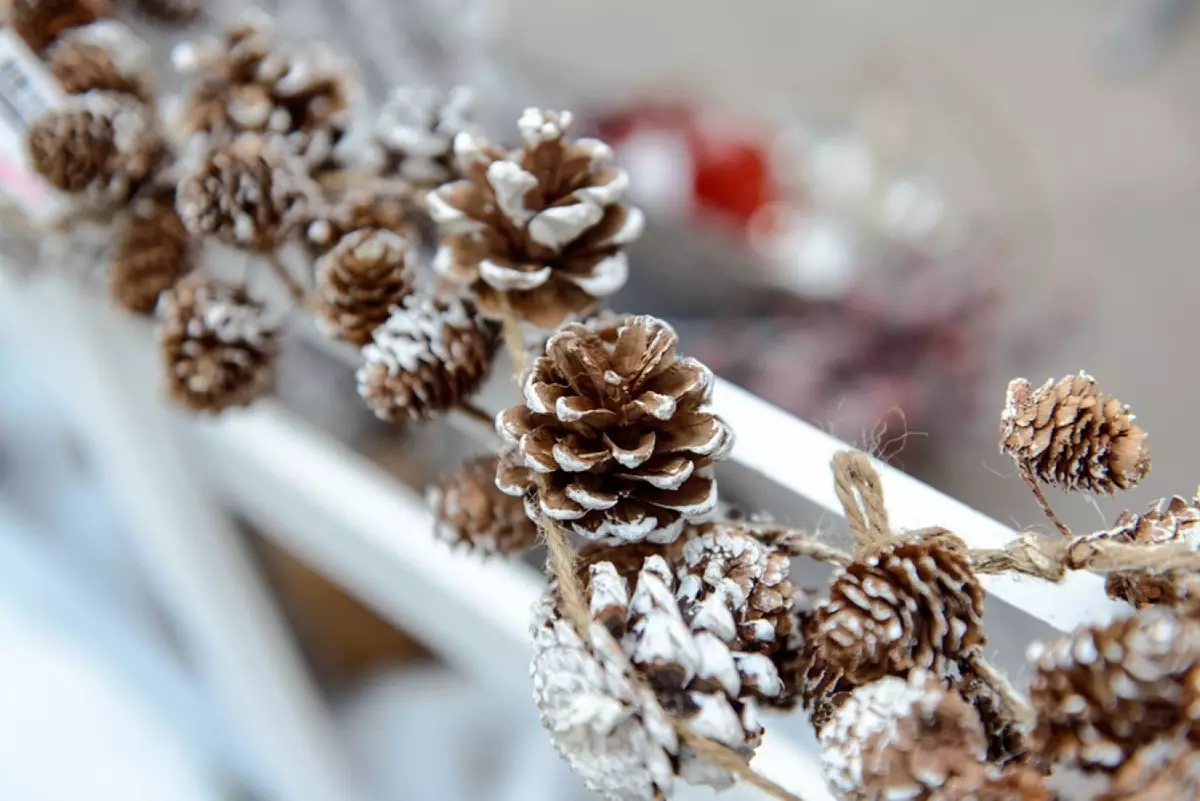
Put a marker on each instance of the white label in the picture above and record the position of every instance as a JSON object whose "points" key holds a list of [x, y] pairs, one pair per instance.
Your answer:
{"points": [[26, 90]]}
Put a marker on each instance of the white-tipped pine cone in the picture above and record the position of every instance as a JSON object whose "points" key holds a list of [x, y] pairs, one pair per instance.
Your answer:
{"points": [[540, 230], [612, 732], [1103, 692], [99, 146], [470, 511], [430, 354], [415, 130], [361, 280], [615, 438], [360, 209], [105, 56], [1072, 436]]}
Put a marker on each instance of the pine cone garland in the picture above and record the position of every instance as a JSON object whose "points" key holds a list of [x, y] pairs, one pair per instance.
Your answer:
{"points": [[153, 252], [250, 194], [356, 211], [1070, 435], [470, 511], [539, 230], [100, 146], [414, 134], [1168, 520], [609, 732], [1104, 691], [1164, 770], [615, 438], [104, 56], [901, 738], [915, 604], [431, 353], [39, 22], [360, 280], [218, 350]]}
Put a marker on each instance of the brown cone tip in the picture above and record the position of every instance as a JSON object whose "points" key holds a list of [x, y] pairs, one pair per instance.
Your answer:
{"points": [[361, 280]]}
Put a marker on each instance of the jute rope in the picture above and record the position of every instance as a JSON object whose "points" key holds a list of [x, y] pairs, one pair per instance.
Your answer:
{"points": [[1038, 556]]}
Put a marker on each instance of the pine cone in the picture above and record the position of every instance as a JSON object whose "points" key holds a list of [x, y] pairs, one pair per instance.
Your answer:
{"points": [[898, 738], [472, 512], [175, 12], [38, 22], [1008, 740], [541, 228], [915, 604], [431, 353], [1168, 520], [988, 783], [1104, 691], [809, 677], [1071, 436], [356, 211], [101, 146], [104, 56], [218, 350], [613, 736], [360, 280], [249, 194], [1164, 770], [153, 252], [738, 588], [414, 134], [615, 437]]}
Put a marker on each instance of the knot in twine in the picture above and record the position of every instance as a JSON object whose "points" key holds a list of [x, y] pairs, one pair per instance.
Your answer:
{"points": [[861, 494]]}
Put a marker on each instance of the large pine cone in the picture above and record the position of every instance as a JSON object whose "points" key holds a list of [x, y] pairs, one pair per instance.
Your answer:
{"points": [[1168, 520], [250, 194], [1072, 436], [430, 354], [101, 146], [153, 252], [218, 350], [414, 134], [470, 511], [104, 56], [39, 22], [915, 604], [613, 736], [360, 280], [1164, 770], [901, 738], [540, 229], [356, 211], [1103, 692], [615, 438]]}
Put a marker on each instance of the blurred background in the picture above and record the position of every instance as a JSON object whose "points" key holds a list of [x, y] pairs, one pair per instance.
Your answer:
{"points": [[871, 215]]}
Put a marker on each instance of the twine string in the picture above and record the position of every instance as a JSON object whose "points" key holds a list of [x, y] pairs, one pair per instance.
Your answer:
{"points": [[1051, 560], [858, 488]]}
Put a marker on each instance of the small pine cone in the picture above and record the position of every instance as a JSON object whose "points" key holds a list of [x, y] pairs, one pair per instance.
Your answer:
{"points": [[810, 679], [1070, 435], [153, 252], [611, 734], [901, 738], [540, 230], [1104, 691], [356, 211], [430, 354], [737, 587], [1168, 520], [104, 56], [360, 280], [915, 604], [1008, 740], [100, 146], [470, 511], [39, 22], [1164, 770], [174, 12], [414, 134], [249, 194], [615, 437], [218, 350]]}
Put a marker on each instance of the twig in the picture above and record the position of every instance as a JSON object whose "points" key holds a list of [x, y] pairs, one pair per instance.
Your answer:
{"points": [[473, 412], [1031, 480], [295, 289]]}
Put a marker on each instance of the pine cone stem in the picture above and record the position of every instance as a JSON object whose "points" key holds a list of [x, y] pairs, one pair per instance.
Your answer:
{"points": [[295, 288], [858, 488], [473, 412], [514, 339], [1016, 704], [1030, 479]]}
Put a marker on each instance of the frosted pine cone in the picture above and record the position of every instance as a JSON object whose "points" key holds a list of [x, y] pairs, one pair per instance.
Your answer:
{"points": [[360, 280], [615, 437], [613, 734], [100, 146], [1164, 770], [250, 194], [430, 354], [104, 56], [1104, 691], [39, 22], [356, 211], [470, 511], [414, 134], [1070, 435], [218, 350], [541, 227], [153, 252], [820, 686], [915, 604], [1168, 520], [898, 738]]}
